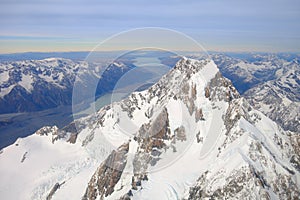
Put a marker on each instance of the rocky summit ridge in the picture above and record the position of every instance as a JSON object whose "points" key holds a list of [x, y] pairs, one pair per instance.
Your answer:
{"points": [[189, 136]]}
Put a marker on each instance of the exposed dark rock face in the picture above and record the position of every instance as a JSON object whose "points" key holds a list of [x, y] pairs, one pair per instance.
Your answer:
{"points": [[53, 190], [151, 138], [107, 175], [55, 133], [24, 157], [199, 115], [199, 138], [72, 138], [250, 162], [220, 88], [70, 132]]}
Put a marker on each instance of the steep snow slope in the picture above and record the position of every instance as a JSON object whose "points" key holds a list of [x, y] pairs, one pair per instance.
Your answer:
{"points": [[189, 136], [224, 139]]}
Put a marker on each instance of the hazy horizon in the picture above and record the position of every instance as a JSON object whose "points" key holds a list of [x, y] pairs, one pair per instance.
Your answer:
{"points": [[227, 26]]}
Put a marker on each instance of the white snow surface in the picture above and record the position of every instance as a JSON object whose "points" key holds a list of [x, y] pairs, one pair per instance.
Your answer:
{"points": [[47, 163], [4, 76], [26, 82], [52, 71]]}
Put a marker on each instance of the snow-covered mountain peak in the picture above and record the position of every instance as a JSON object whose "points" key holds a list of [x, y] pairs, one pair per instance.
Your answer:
{"points": [[192, 66], [189, 136]]}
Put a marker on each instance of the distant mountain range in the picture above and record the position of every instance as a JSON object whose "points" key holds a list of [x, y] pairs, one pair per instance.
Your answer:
{"points": [[189, 136], [268, 81], [35, 85]]}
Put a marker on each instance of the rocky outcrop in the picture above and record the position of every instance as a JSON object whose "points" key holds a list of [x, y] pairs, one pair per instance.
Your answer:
{"points": [[243, 154], [107, 175], [221, 89], [53, 190]]}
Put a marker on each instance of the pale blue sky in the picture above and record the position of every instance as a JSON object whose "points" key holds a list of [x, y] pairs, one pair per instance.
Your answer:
{"points": [[221, 25]]}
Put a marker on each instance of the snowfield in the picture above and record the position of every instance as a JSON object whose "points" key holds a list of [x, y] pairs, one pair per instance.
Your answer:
{"points": [[189, 136]]}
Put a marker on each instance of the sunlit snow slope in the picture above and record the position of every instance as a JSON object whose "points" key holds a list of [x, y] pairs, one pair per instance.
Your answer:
{"points": [[189, 136]]}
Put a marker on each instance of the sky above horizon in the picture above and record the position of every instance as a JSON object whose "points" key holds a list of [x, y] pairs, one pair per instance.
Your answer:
{"points": [[78, 25]]}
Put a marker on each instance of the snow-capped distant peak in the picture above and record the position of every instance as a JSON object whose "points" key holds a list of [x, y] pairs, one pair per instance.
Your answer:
{"points": [[189, 136]]}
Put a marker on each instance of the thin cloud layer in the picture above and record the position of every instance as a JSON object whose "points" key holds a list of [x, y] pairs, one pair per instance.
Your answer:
{"points": [[220, 25]]}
